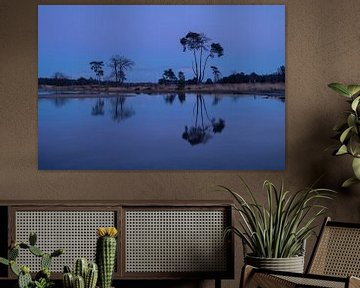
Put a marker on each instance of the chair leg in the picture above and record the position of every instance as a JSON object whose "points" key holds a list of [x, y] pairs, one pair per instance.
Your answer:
{"points": [[217, 283], [246, 273]]}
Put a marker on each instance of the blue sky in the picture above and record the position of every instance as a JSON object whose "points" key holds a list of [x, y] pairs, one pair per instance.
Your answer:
{"points": [[70, 36]]}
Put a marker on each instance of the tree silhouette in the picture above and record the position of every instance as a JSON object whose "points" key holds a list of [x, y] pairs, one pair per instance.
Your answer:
{"points": [[169, 76], [119, 111], [203, 128], [181, 81], [199, 45], [216, 73], [281, 73], [98, 108], [119, 65], [97, 67]]}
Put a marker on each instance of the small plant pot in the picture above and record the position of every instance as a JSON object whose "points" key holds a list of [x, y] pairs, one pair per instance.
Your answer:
{"points": [[291, 264]]}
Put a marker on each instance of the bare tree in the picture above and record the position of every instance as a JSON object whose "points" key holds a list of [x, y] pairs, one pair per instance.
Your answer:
{"points": [[119, 65], [199, 45]]}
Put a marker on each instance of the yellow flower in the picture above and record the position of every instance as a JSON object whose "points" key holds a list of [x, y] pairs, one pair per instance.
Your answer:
{"points": [[106, 231]]}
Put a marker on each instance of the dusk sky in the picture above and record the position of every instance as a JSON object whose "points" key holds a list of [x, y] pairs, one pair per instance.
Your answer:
{"points": [[71, 36]]}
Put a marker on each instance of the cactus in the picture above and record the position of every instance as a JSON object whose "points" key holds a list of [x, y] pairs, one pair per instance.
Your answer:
{"points": [[4, 261], [79, 282], [44, 273], [32, 239], [24, 278], [45, 261], [106, 254], [14, 268], [68, 280], [90, 272], [80, 268], [36, 251], [91, 276], [13, 253]]}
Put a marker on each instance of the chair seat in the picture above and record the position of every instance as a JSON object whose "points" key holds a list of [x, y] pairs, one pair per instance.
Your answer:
{"points": [[314, 282], [268, 279]]}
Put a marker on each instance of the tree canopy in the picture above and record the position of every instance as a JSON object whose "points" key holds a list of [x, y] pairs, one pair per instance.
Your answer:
{"points": [[199, 44]]}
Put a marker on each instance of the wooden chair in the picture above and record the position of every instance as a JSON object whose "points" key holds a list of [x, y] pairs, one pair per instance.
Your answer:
{"points": [[335, 262]]}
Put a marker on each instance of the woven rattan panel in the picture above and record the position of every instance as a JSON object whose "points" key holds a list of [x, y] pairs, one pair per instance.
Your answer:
{"points": [[311, 282], [338, 253], [175, 241], [75, 231]]}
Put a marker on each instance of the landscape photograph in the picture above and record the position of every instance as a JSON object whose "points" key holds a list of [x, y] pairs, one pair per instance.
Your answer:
{"points": [[161, 87]]}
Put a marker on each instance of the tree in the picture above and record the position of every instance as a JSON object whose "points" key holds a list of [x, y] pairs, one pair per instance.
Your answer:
{"points": [[119, 65], [281, 73], [216, 73], [199, 45], [97, 67], [169, 76], [59, 75], [181, 81]]}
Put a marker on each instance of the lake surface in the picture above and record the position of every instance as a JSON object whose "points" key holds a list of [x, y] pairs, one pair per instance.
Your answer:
{"points": [[162, 132]]}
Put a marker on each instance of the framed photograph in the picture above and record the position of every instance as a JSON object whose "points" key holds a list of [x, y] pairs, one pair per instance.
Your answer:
{"points": [[161, 87]]}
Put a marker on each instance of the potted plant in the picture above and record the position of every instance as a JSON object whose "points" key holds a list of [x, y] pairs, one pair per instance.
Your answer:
{"points": [[42, 278], [276, 233], [348, 132]]}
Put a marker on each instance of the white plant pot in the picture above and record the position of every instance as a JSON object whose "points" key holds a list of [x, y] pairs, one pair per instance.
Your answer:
{"points": [[291, 264]]}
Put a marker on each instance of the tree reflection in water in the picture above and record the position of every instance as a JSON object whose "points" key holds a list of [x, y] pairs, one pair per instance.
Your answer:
{"points": [[60, 101], [119, 111], [98, 108], [169, 99], [204, 128]]}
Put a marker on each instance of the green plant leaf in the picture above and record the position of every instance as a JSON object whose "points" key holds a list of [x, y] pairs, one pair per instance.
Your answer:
{"points": [[349, 182], [4, 261], [356, 167], [351, 120], [345, 134], [342, 150], [340, 88], [355, 103], [353, 89]]}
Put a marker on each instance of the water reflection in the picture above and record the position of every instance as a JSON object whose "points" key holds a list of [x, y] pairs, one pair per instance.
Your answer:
{"points": [[60, 101], [181, 97], [204, 128], [170, 98], [98, 108], [119, 111], [166, 136]]}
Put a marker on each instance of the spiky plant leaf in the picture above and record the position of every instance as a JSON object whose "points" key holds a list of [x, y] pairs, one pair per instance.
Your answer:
{"points": [[280, 228]]}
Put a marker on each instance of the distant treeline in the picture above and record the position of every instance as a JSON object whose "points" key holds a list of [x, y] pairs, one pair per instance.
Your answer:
{"points": [[61, 80], [276, 77]]}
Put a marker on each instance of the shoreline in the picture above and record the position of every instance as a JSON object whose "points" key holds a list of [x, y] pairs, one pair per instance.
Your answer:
{"points": [[95, 91]]}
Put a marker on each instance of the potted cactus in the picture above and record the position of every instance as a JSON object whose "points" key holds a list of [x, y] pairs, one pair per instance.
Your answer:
{"points": [[106, 254], [85, 275], [42, 278]]}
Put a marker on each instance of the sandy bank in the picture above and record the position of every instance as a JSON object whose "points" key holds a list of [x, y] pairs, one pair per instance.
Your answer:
{"points": [[271, 89]]}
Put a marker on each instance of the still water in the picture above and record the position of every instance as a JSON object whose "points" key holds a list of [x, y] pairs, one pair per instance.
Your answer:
{"points": [[162, 132]]}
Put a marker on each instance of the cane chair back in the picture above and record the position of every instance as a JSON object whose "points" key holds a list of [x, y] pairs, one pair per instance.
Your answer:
{"points": [[337, 252]]}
